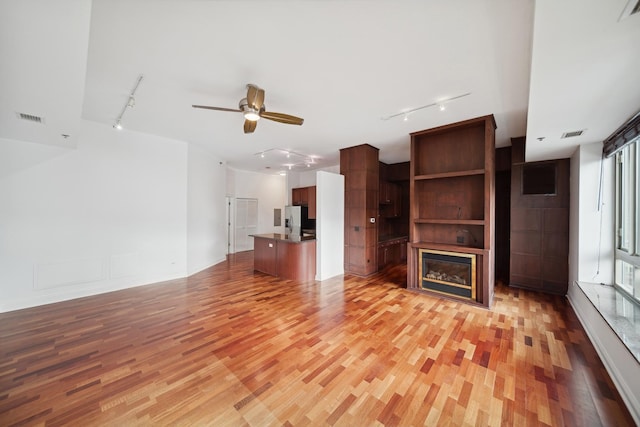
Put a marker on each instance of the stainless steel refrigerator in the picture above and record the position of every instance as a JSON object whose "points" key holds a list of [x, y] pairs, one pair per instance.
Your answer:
{"points": [[295, 218]]}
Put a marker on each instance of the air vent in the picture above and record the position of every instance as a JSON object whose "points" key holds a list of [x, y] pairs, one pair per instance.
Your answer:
{"points": [[572, 134], [30, 118], [632, 7]]}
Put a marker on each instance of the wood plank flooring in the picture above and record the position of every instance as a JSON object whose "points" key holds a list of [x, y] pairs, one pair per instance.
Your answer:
{"points": [[232, 347]]}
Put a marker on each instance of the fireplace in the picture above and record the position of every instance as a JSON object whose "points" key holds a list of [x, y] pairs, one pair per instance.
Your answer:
{"points": [[450, 273]]}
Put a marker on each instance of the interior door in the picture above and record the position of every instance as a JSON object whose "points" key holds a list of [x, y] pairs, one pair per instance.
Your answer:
{"points": [[246, 223]]}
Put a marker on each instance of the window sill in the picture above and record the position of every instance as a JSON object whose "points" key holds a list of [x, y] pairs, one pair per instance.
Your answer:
{"points": [[621, 313]]}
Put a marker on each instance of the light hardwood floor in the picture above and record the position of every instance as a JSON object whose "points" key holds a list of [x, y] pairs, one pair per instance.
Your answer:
{"points": [[232, 347]]}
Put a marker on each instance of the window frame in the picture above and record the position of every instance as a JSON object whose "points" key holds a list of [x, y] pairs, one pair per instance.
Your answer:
{"points": [[627, 215]]}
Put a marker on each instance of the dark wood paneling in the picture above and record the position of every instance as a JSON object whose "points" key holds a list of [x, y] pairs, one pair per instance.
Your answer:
{"points": [[503, 159], [360, 166], [450, 151], [398, 171], [526, 242], [517, 150], [503, 222], [539, 230], [456, 198]]}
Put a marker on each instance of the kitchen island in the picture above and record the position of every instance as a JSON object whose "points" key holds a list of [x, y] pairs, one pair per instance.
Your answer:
{"points": [[286, 256]]}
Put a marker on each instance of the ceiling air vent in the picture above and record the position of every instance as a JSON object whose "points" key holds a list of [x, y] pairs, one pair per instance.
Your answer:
{"points": [[30, 118], [632, 7], [572, 134]]}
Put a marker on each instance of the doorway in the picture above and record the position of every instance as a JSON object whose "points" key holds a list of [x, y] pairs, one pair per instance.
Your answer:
{"points": [[246, 224]]}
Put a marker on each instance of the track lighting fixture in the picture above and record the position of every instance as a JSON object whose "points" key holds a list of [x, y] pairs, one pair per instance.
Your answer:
{"points": [[440, 104], [131, 102], [287, 158]]}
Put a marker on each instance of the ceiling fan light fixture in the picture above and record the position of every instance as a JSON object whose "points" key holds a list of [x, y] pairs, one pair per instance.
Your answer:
{"points": [[251, 115]]}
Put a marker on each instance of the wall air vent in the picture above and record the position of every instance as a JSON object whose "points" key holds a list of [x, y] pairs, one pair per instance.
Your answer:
{"points": [[632, 7], [572, 134], [30, 118]]}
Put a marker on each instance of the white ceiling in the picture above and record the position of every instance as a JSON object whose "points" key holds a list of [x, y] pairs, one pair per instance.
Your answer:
{"points": [[542, 68]]}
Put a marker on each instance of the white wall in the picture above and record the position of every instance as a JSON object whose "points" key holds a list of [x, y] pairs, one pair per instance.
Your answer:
{"points": [[206, 210], [591, 254], [270, 190], [108, 215], [330, 225]]}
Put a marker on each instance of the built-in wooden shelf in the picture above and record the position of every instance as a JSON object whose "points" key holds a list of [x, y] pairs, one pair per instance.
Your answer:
{"points": [[450, 248], [452, 192], [449, 174], [449, 221]]}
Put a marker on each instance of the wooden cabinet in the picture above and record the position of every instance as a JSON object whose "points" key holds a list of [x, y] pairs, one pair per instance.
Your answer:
{"points": [[300, 196], [311, 193], [265, 256], [305, 196], [452, 198], [277, 255], [539, 235], [390, 199], [392, 251]]}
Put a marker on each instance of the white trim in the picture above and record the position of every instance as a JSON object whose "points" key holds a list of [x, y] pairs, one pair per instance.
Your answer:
{"points": [[613, 357]]}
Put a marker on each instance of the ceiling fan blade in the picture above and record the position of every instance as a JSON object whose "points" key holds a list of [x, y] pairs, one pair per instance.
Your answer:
{"points": [[206, 107], [255, 97], [249, 126], [282, 118]]}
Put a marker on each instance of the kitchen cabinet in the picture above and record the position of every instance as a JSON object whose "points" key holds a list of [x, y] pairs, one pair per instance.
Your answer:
{"points": [[390, 199], [392, 251], [311, 193], [305, 196], [265, 256], [300, 196], [285, 256]]}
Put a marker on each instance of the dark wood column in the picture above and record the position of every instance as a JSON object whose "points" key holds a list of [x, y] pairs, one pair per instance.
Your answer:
{"points": [[360, 168]]}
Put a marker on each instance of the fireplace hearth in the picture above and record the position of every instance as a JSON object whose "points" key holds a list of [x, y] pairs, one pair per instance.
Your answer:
{"points": [[450, 273]]}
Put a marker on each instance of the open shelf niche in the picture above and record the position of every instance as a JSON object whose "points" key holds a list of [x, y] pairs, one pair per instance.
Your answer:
{"points": [[452, 192]]}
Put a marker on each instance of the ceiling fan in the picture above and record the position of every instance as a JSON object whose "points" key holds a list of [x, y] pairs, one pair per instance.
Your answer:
{"points": [[252, 107]]}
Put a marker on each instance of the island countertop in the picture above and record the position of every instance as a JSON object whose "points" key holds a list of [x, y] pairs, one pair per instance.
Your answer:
{"points": [[284, 237], [285, 256]]}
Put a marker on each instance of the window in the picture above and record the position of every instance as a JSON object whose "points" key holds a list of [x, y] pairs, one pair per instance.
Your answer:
{"points": [[628, 220]]}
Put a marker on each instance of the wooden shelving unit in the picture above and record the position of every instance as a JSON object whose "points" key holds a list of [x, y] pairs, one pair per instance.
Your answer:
{"points": [[452, 173]]}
